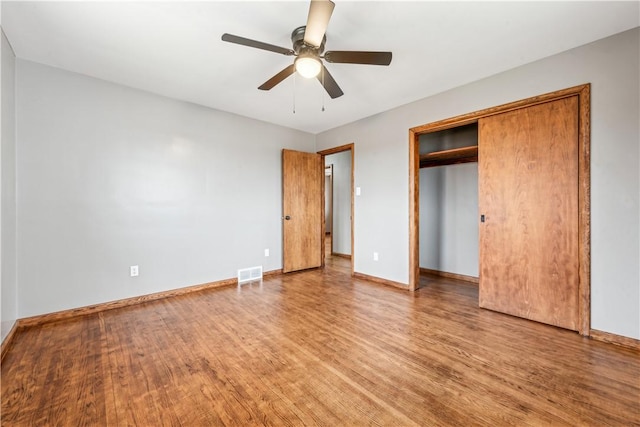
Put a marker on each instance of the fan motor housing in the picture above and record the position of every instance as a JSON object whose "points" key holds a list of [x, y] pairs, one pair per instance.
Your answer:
{"points": [[299, 46]]}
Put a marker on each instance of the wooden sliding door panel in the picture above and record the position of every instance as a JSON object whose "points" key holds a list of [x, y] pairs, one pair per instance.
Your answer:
{"points": [[528, 194], [302, 181]]}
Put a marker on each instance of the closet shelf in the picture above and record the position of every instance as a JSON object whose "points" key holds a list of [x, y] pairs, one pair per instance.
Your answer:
{"points": [[449, 157]]}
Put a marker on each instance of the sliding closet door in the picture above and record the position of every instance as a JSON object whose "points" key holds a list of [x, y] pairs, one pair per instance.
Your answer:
{"points": [[528, 198]]}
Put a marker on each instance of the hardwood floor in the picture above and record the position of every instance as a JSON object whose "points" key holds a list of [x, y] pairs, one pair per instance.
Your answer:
{"points": [[316, 348]]}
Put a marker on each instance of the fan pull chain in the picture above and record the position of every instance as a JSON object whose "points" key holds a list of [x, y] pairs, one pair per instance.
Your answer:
{"points": [[323, 90], [294, 92]]}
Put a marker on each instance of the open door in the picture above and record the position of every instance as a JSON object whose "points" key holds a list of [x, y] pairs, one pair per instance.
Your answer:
{"points": [[302, 209]]}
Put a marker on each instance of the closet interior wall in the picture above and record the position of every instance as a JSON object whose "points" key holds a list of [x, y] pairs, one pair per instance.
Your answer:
{"points": [[449, 205]]}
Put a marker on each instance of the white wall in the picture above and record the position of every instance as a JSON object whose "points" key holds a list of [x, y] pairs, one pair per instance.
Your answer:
{"points": [[8, 294], [612, 67], [341, 201], [110, 177], [449, 206]]}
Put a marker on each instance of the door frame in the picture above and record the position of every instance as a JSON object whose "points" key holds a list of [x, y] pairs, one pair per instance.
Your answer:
{"points": [[323, 153], [330, 194], [584, 186]]}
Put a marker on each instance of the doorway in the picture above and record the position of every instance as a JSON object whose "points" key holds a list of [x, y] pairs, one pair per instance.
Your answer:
{"points": [[328, 209], [338, 201]]}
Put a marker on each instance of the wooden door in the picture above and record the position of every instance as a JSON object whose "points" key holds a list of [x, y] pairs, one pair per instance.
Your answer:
{"points": [[302, 209], [528, 195]]}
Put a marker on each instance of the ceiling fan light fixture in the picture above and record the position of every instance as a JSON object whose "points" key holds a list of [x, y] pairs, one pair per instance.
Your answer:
{"points": [[308, 49], [308, 66]]}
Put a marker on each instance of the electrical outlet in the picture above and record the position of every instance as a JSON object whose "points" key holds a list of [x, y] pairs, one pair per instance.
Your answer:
{"points": [[133, 270], [266, 252], [375, 256]]}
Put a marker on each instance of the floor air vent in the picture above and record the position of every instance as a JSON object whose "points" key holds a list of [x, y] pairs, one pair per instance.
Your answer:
{"points": [[249, 274]]}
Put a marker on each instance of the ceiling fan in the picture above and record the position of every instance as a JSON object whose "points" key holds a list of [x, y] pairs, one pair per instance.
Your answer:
{"points": [[308, 47]]}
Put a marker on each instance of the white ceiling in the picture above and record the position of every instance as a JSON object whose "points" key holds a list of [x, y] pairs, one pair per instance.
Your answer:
{"points": [[174, 48]]}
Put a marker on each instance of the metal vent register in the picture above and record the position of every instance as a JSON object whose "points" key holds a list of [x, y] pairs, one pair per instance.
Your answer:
{"points": [[249, 274]]}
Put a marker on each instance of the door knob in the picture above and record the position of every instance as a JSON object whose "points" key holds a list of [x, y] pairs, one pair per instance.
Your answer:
{"points": [[287, 217]]}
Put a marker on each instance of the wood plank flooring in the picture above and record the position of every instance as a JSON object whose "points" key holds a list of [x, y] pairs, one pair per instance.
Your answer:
{"points": [[316, 348]]}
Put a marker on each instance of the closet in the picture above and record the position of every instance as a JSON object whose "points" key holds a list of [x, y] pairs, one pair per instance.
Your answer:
{"points": [[533, 205], [449, 203]]}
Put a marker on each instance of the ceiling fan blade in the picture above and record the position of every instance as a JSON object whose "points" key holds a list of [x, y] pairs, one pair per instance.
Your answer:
{"points": [[319, 14], [329, 83], [258, 45], [358, 57], [269, 84]]}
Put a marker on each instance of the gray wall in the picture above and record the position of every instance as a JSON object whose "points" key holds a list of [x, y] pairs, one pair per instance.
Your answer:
{"points": [[341, 201], [449, 219], [431, 211], [327, 202], [612, 67], [110, 177], [9, 292], [449, 206]]}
